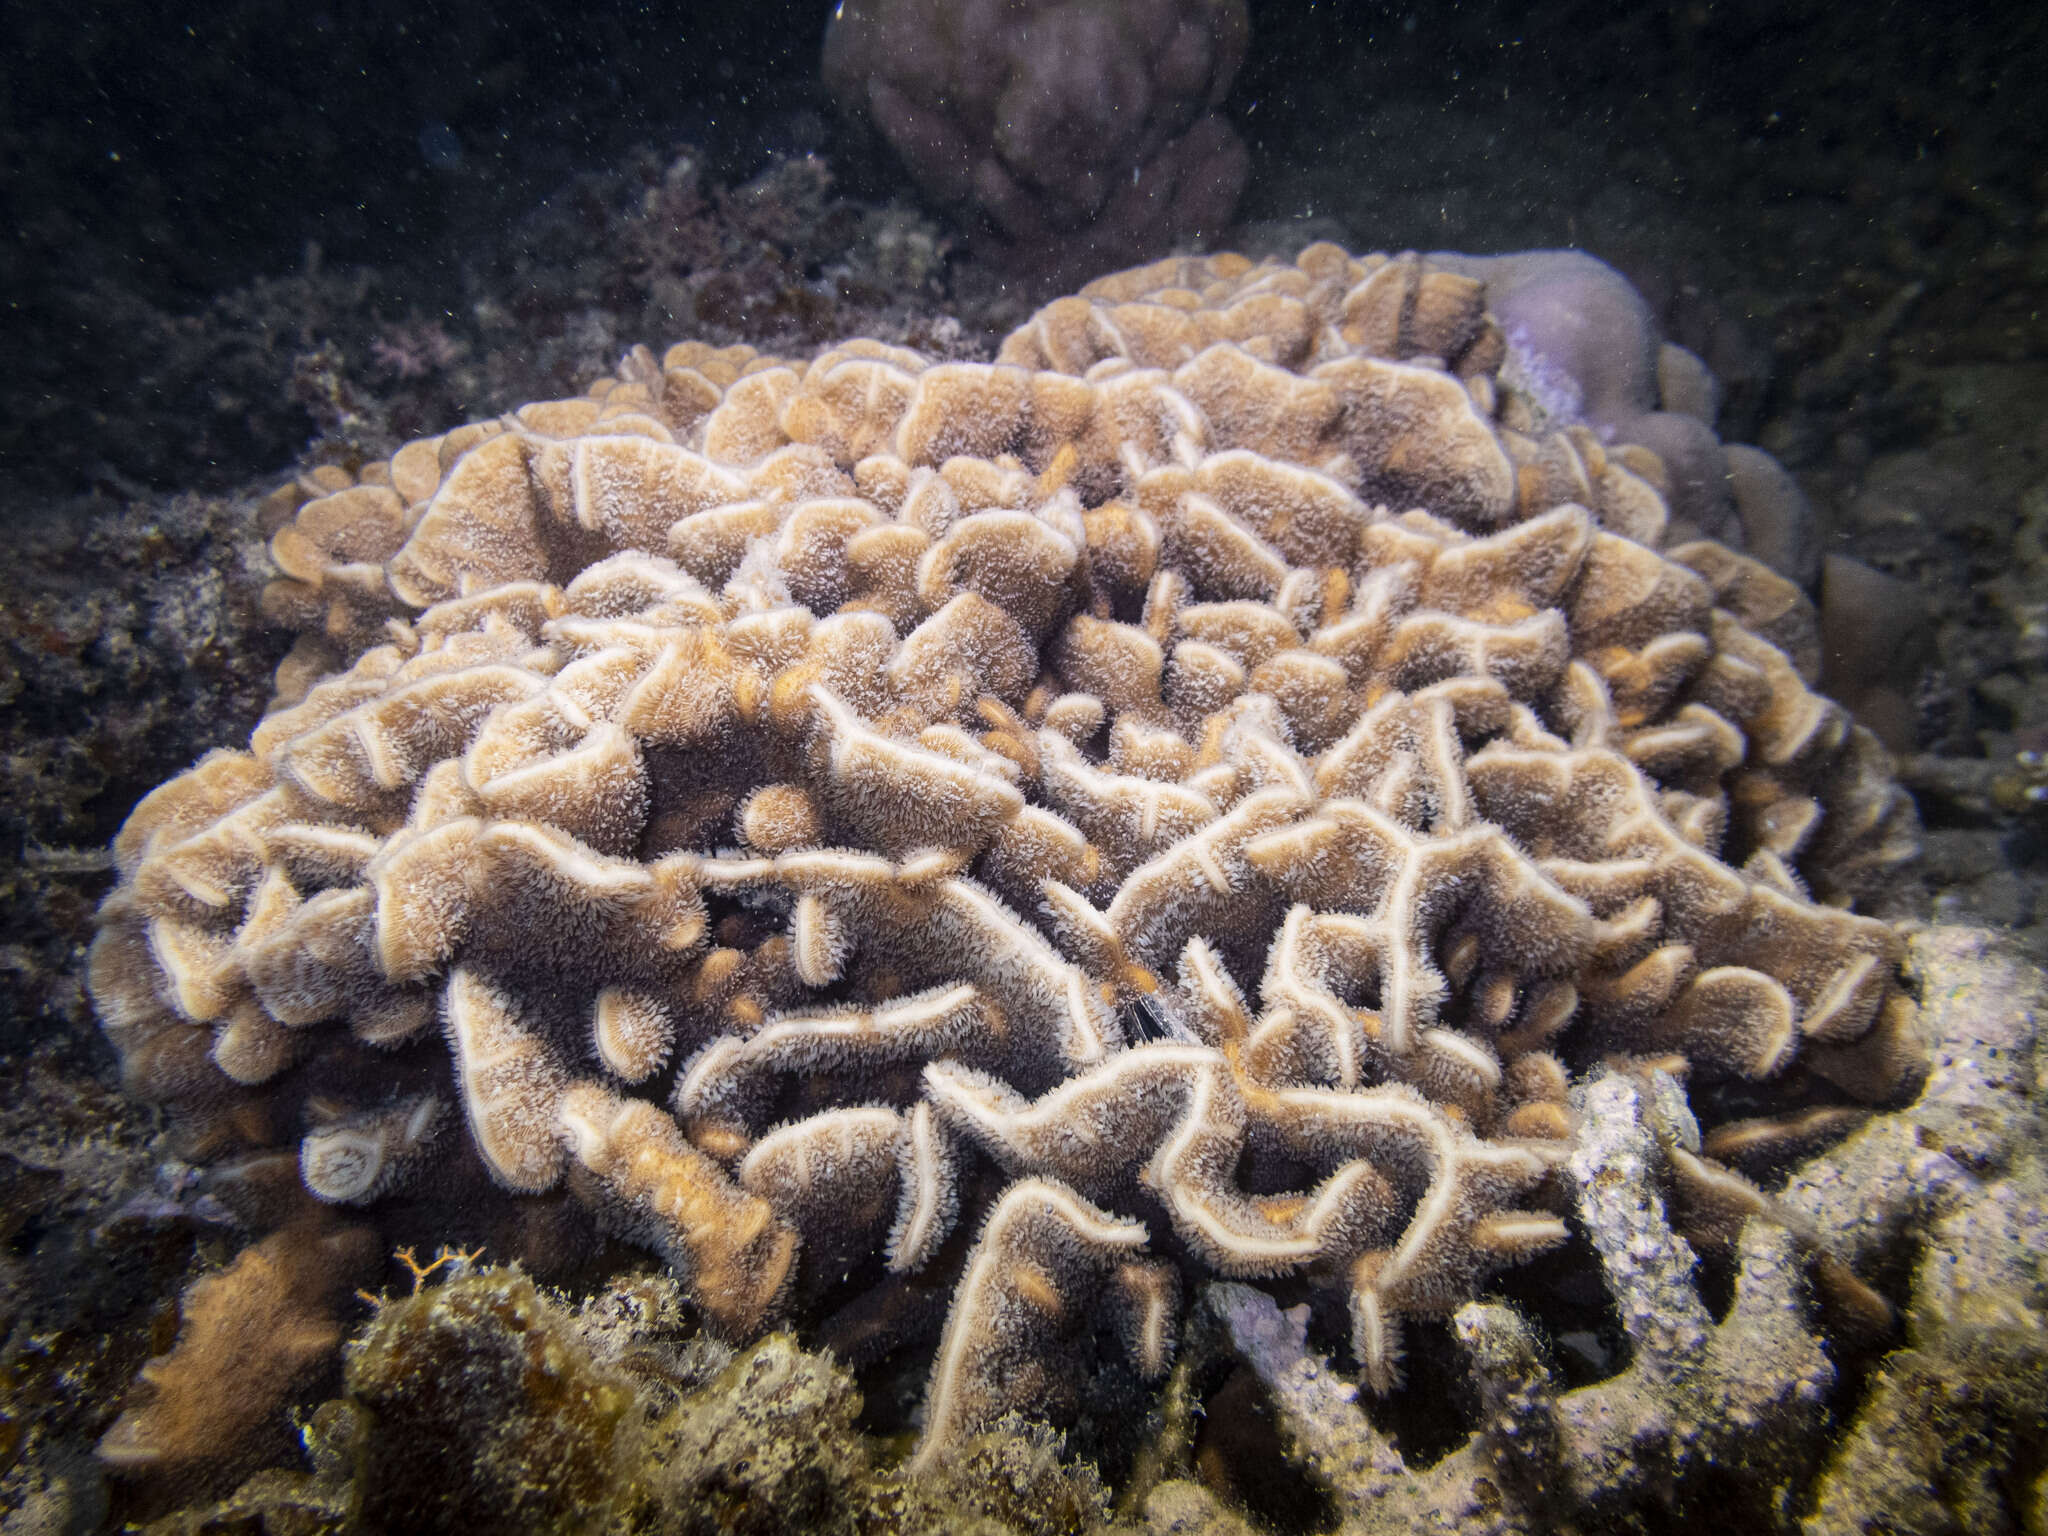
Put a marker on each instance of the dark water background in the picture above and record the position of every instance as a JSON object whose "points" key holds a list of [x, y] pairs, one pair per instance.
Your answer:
{"points": [[160, 159]]}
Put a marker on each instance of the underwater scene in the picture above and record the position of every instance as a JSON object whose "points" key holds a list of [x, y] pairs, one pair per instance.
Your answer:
{"points": [[1024, 767]]}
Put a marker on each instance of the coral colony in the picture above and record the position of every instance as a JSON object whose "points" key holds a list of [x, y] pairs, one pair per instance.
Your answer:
{"points": [[1075, 134], [1227, 792]]}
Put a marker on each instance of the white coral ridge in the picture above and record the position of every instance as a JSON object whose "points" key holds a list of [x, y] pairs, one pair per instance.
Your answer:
{"points": [[799, 811]]}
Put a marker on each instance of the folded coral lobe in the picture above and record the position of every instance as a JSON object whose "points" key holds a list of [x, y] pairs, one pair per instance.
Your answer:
{"points": [[762, 800]]}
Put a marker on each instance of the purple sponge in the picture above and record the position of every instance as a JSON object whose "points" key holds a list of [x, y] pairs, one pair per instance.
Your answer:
{"points": [[1589, 348]]}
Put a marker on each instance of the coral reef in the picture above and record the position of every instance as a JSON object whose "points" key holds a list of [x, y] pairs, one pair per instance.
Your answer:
{"points": [[481, 1405], [1877, 240], [1187, 799], [1874, 638], [109, 682], [545, 294], [99, 1232], [1964, 1172], [1732, 1414], [1081, 133]]}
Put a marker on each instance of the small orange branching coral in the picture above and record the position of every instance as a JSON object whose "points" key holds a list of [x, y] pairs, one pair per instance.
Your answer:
{"points": [[784, 809]]}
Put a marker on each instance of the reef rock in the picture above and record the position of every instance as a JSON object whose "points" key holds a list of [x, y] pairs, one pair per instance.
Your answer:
{"points": [[1188, 800]]}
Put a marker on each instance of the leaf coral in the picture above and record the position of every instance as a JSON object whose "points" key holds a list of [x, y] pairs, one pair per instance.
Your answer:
{"points": [[1191, 795], [250, 1334]]}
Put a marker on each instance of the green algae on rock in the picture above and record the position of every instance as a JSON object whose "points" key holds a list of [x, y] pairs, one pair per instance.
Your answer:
{"points": [[487, 1403]]}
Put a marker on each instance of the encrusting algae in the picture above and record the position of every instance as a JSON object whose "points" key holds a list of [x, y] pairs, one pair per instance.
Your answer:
{"points": [[956, 858]]}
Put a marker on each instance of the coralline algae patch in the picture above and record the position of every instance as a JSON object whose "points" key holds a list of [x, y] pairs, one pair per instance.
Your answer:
{"points": [[1187, 800]]}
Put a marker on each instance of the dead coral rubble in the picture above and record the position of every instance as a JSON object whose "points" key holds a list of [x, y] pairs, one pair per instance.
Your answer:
{"points": [[1186, 800], [1960, 1170]]}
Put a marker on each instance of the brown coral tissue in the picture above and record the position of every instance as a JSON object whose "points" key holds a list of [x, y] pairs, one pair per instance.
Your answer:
{"points": [[1185, 800], [250, 1335], [1078, 131]]}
